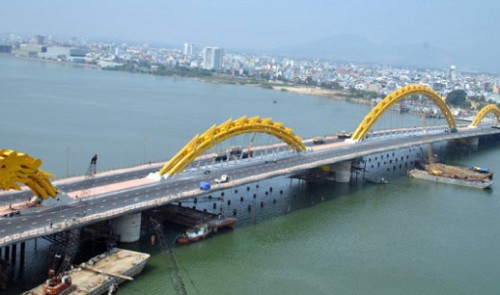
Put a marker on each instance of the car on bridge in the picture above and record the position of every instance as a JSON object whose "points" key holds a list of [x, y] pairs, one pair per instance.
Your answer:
{"points": [[204, 186], [318, 140], [223, 178], [344, 134]]}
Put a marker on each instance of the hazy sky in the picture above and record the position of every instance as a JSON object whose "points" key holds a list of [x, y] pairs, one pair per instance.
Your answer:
{"points": [[262, 24]]}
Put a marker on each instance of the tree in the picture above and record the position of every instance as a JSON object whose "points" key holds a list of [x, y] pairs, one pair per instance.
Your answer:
{"points": [[457, 98]]}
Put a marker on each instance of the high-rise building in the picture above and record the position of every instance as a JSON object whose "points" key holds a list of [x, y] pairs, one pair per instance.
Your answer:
{"points": [[453, 73], [213, 58], [187, 50]]}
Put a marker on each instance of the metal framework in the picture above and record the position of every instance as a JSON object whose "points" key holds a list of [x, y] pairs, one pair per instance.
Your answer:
{"points": [[394, 97], [19, 168], [216, 134], [491, 108]]}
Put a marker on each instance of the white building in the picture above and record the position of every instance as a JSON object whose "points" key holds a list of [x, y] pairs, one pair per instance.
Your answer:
{"points": [[187, 50], [213, 58], [64, 53], [453, 73]]}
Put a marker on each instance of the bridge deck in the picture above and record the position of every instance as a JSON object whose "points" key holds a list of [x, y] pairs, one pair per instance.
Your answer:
{"points": [[134, 195]]}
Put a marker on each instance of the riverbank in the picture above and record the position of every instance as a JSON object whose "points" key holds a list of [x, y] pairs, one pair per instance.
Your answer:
{"points": [[286, 87], [227, 79], [321, 92]]}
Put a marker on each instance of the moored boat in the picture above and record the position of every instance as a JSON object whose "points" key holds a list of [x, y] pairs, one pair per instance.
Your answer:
{"points": [[379, 180], [97, 275], [453, 175], [199, 224], [58, 284], [194, 234]]}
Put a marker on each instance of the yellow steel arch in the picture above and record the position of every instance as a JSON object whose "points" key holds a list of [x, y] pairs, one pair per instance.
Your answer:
{"points": [[216, 134], [394, 97], [16, 167], [491, 108]]}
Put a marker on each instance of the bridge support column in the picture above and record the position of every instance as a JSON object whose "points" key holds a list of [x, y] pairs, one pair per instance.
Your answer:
{"points": [[22, 253], [342, 171], [7, 253], [14, 254], [128, 227], [473, 142]]}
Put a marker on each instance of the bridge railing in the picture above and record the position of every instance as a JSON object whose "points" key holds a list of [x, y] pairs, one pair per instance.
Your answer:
{"points": [[87, 219], [337, 156]]}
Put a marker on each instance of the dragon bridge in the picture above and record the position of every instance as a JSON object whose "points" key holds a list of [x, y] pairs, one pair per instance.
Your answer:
{"points": [[394, 97], [231, 128]]}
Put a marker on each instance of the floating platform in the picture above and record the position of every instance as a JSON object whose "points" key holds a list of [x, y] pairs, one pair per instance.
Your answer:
{"points": [[98, 274], [455, 175], [422, 174]]}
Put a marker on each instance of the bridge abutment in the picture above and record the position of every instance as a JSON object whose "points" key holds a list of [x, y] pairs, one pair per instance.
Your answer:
{"points": [[342, 171], [128, 227]]}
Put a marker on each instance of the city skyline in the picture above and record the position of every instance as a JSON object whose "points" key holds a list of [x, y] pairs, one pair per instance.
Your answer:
{"points": [[465, 31]]}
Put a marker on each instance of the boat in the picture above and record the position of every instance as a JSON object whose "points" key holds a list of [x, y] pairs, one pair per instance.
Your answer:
{"points": [[199, 224], [202, 231], [194, 234], [58, 284], [379, 180], [97, 276], [455, 175]]}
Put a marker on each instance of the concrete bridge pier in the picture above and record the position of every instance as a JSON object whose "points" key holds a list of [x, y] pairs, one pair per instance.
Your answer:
{"points": [[7, 253], [22, 254], [342, 171], [473, 142], [14, 253], [128, 227]]}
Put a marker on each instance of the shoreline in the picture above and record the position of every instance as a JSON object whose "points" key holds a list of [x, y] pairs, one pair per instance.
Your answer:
{"points": [[297, 89], [320, 92]]}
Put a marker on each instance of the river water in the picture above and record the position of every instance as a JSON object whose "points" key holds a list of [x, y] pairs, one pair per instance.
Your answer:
{"points": [[405, 237]]}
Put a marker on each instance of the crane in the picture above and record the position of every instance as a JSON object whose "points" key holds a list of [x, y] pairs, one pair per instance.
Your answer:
{"points": [[72, 237], [249, 152], [89, 177]]}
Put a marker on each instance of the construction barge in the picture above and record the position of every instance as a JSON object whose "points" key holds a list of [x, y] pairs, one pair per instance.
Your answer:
{"points": [[99, 275], [200, 224], [468, 177]]}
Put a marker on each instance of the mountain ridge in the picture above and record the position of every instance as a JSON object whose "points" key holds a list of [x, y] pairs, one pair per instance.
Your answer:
{"points": [[347, 47]]}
